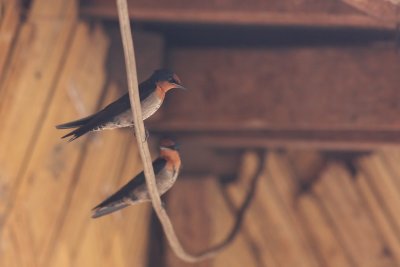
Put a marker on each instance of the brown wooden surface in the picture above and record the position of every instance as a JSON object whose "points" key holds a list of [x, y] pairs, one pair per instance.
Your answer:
{"points": [[312, 13], [327, 96], [9, 23], [290, 6], [384, 10], [341, 220], [319, 88], [27, 89], [310, 208], [56, 72]]}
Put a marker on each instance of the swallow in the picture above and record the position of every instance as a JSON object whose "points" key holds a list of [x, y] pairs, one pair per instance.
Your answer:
{"points": [[166, 169], [118, 114]]}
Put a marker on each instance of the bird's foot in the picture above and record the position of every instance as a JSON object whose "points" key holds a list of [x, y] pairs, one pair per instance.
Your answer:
{"points": [[147, 134]]}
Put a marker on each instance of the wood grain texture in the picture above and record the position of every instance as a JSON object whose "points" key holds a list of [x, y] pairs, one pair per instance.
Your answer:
{"points": [[311, 13], [9, 24], [384, 10], [339, 221], [53, 164], [28, 87], [360, 237], [324, 96], [260, 249], [309, 209], [309, 222], [286, 89]]}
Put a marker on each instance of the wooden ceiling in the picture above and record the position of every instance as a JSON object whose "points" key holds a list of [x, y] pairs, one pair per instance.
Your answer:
{"points": [[315, 74], [307, 73], [254, 12]]}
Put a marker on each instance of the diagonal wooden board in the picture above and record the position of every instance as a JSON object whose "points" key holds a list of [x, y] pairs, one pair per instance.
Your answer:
{"points": [[42, 192], [39, 55]]}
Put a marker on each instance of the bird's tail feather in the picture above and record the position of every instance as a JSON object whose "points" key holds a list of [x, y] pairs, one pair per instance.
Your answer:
{"points": [[77, 133], [103, 210], [75, 124]]}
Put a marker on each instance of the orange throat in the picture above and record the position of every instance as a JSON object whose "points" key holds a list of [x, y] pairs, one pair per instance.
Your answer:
{"points": [[163, 87], [160, 93], [173, 159]]}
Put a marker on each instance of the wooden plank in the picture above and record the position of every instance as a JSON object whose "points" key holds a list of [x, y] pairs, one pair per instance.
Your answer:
{"points": [[203, 219], [379, 214], [189, 206], [278, 111], [123, 234], [98, 178], [12, 242], [306, 6], [351, 219], [325, 140], [385, 10], [307, 101], [9, 23], [311, 224], [44, 186], [270, 227], [384, 184], [254, 13], [279, 176], [28, 87], [240, 18], [134, 222], [235, 193], [391, 157], [242, 251]]}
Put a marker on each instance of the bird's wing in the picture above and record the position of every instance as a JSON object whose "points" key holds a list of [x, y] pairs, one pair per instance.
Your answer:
{"points": [[100, 118], [122, 104], [118, 199], [75, 124], [146, 88]]}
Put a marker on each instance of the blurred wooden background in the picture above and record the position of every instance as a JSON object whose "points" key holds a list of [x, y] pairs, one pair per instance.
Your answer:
{"points": [[312, 83]]}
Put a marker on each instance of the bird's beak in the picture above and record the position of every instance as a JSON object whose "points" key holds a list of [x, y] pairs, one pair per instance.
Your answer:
{"points": [[172, 147], [178, 86]]}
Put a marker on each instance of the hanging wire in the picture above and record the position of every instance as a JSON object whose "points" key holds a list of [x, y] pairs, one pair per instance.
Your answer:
{"points": [[140, 134]]}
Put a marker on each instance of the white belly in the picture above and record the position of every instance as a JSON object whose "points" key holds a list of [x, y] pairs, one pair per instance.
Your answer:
{"points": [[149, 106], [164, 180]]}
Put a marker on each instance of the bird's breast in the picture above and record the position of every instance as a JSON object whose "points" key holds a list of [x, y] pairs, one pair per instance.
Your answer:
{"points": [[151, 104], [165, 179]]}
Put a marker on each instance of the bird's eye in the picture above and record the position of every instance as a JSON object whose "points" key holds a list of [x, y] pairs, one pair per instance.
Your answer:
{"points": [[171, 80]]}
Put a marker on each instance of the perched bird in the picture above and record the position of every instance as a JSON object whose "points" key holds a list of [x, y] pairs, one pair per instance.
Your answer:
{"points": [[166, 169], [118, 114]]}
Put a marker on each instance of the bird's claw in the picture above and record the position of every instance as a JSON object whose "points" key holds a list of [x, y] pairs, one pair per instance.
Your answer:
{"points": [[147, 134]]}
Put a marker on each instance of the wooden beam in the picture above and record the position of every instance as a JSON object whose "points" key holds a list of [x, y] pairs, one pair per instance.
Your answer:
{"points": [[253, 13], [384, 10], [22, 107], [341, 97], [330, 140], [48, 177], [350, 217], [240, 18], [9, 23], [287, 175]]}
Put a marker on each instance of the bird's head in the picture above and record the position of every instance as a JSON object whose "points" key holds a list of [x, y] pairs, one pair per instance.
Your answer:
{"points": [[169, 150], [168, 144], [167, 80]]}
